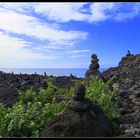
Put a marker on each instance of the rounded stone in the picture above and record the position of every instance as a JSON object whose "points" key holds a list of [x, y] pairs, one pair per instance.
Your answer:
{"points": [[93, 73], [79, 92], [137, 102], [79, 106], [132, 96], [77, 97], [94, 66], [94, 60], [129, 132], [93, 56], [137, 93]]}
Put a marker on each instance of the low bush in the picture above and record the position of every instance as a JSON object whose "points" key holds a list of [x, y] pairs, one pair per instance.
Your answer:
{"points": [[99, 92], [28, 116]]}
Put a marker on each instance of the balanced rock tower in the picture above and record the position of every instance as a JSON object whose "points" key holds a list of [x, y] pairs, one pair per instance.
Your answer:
{"points": [[93, 68], [82, 118]]}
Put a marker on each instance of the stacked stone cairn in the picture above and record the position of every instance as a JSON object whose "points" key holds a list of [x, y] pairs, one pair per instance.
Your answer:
{"points": [[93, 68], [83, 118], [126, 60], [78, 102]]}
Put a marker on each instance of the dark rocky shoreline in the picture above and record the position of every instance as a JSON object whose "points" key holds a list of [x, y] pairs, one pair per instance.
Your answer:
{"points": [[10, 83], [127, 75]]}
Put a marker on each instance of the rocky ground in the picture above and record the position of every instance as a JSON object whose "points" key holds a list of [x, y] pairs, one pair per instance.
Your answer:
{"points": [[10, 83], [128, 82]]}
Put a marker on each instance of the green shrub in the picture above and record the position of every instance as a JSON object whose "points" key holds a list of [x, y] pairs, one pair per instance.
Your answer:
{"points": [[29, 96], [99, 92], [28, 116]]}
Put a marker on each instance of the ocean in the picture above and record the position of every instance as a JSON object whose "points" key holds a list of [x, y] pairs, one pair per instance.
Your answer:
{"points": [[55, 72]]}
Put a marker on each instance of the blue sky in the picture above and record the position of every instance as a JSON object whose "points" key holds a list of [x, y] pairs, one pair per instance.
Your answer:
{"points": [[64, 35]]}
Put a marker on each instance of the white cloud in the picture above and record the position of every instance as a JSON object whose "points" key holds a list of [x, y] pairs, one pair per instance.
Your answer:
{"points": [[117, 11], [78, 51], [99, 11], [11, 21], [94, 12], [16, 52], [130, 11], [62, 12], [65, 12], [15, 48], [31, 26], [17, 7], [26, 19]]}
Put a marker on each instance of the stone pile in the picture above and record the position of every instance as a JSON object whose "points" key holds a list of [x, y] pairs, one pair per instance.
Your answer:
{"points": [[93, 68], [78, 102], [128, 99], [82, 118]]}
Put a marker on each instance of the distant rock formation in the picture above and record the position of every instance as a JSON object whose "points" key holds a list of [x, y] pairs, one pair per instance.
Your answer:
{"points": [[82, 118], [128, 82], [93, 68], [10, 83], [63, 82], [128, 53]]}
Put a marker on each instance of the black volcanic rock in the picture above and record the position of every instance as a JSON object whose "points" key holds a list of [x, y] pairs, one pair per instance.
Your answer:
{"points": [[10, 83], [82, 118], [128, 99], [8, 96], [63, 82], [79, 92]]}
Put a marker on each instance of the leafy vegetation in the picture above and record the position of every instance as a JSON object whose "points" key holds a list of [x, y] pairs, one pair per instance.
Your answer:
{"points": [[28, 117], [99, 92]]}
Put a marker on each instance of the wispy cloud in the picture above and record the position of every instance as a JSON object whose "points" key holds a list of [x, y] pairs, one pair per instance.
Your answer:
{"points": [[93, 12], [78, 51], [127, 11], [19, 22], [61, 12], [100, 11], [45, 23], [15, 48], [31, 26]]}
